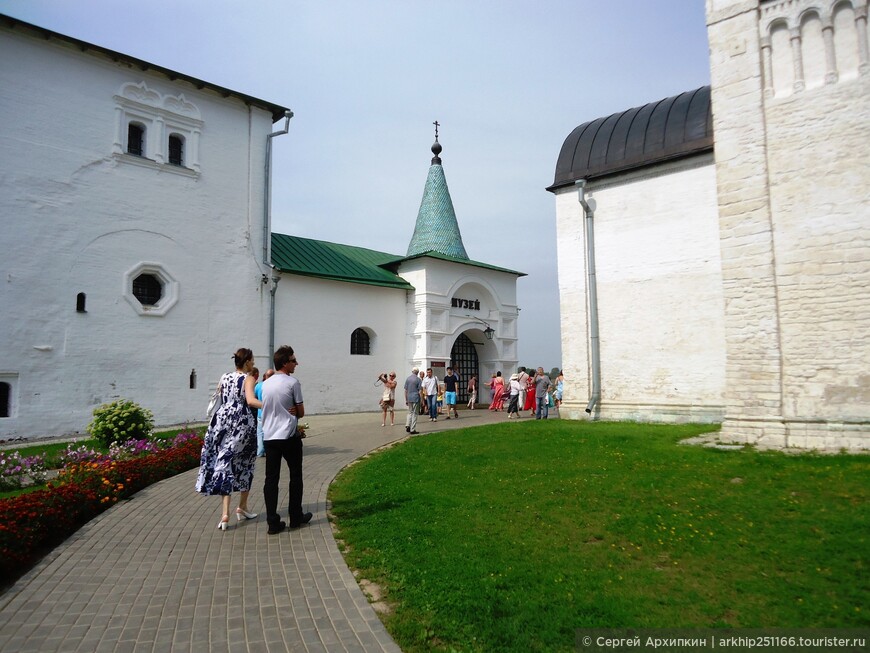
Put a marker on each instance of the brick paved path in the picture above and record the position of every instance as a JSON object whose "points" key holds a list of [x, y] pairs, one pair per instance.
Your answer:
{"points": [[154, 573]]}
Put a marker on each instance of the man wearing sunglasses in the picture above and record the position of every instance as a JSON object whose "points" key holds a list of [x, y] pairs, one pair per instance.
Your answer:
{"points": [[282, 410]]}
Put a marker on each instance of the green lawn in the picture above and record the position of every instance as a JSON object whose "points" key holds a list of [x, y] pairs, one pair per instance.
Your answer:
{"points": [[509, 537]]}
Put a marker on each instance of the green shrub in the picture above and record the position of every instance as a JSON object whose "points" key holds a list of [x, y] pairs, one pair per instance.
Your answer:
{"points": [[120, 421]]}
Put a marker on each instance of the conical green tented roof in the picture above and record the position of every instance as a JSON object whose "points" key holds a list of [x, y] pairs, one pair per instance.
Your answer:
{"points": [[437, 229]]}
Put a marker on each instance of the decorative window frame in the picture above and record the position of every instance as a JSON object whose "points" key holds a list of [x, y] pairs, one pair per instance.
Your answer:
{"points": [[161, 116], [169, 295]]}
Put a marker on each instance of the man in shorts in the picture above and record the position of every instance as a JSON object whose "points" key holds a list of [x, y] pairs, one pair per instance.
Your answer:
{"points": [[451, 384]]}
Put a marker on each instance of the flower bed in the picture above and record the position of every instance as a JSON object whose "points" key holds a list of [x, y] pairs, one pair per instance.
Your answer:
{"points": [[85, 487]]}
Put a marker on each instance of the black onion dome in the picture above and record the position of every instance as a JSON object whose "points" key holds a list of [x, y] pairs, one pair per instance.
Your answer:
{"points": [[668, 129]]}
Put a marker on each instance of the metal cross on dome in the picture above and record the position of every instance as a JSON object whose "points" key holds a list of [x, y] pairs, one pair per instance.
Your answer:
{"points": [[437, 125]]}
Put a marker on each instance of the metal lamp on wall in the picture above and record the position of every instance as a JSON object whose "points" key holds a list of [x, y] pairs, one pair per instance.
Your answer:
{"points": [[489, 332]]}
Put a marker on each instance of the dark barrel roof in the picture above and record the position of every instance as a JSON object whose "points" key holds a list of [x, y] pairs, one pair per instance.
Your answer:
{"points": [[668, 129]]}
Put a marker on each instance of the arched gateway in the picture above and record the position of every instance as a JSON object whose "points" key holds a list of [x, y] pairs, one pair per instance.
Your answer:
{"points": [[464, 357]]}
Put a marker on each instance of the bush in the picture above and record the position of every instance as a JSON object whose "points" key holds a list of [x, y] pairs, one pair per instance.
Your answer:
{"points": [[120, 421]]}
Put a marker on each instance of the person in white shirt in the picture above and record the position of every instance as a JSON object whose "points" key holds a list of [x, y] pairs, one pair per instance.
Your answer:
{"points": [[513, 406], [430, 387], [282, 410]]}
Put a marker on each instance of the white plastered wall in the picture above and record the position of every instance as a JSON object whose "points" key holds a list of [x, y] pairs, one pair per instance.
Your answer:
{"points": [[78, 218], [317, 317], [659, 295]]}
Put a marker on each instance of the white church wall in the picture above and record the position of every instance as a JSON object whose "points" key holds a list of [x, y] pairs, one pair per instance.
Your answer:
{"points": [[79, 218], [659, 295], [317, 317], [794, 220]]}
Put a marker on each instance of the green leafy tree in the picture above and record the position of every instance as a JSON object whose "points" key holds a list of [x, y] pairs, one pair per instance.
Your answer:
{"points": [[120, 421]]}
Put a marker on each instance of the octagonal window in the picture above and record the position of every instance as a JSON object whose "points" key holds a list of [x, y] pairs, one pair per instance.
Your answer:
{"points": [[150, 289], [147, 289]]}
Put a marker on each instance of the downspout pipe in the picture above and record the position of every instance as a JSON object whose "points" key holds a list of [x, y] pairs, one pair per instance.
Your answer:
{"points": [[267, 229], [594, 342], [267, 200]]}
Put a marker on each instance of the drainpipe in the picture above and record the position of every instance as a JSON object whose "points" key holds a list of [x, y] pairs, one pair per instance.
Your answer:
{"points": [[594, 344], [276, 277], [267, 200], [267, 229]]}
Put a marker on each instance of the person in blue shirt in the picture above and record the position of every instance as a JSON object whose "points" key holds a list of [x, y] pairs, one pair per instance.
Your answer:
{"points": [[258, 393]]}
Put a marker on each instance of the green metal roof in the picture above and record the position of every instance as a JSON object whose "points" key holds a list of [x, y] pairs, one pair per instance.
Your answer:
{"points": [[318, 258], [324, 260], [437, 229]]}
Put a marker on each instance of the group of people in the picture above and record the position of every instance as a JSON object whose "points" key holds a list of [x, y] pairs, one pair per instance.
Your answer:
{"points": [[535, 393], [261, 418], [422, 391], [237, 435]]}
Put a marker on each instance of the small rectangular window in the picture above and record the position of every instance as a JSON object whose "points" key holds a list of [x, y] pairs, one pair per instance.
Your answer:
{"points": [[176, 150], [135, 139]]}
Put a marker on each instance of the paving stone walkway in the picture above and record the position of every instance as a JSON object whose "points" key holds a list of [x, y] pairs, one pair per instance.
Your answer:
{"points": [[154, 574]]}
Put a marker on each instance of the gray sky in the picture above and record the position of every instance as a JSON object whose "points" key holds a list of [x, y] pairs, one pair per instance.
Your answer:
{"points": [[507, 80]]}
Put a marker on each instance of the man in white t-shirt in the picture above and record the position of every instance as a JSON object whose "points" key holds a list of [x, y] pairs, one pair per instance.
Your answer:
{"points": [[282, 410], [523, 378], [430, 386]]}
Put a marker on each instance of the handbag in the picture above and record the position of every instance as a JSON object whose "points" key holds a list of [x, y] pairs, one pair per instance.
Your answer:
{"points": [[214, 402]]}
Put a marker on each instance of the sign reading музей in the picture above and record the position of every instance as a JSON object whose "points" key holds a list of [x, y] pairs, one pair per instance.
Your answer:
{"points": [[469, 304]]}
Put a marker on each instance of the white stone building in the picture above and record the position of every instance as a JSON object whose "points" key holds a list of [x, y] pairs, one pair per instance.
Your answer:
{"points": [[726, 280], [138, 253]]}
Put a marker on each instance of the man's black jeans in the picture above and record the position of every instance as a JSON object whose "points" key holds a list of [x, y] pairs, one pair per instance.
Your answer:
{"points": [[291, 451]]}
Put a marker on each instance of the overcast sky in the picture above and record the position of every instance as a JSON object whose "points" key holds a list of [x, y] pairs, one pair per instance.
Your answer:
{"points": [[507, 80]]}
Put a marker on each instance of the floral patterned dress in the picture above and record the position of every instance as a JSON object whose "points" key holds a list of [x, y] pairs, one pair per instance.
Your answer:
{"points": [[230, 448]]}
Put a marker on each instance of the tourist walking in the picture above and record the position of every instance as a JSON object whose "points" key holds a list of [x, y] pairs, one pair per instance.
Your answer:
{"points": [[498, 392], [523, 378], [542, 394], [530, 403], [258, 393], [472, 392], [413, 387], [451, 386], [388, 397], [430, 386], [514, 393], [282, 409], [230, 447]]}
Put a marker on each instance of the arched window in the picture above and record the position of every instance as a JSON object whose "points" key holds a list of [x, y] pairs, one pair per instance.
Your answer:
{"points": [[360, 344], [176, 150], [135, 139], [4, 398]]}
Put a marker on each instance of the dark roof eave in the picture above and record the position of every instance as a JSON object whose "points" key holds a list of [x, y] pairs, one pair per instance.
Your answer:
{"points": [[699, 147], [364, 282], [450, 259], [277, 111]]}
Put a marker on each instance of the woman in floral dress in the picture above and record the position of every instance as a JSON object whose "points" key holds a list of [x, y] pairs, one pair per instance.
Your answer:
{"points": [[230, 448]]}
